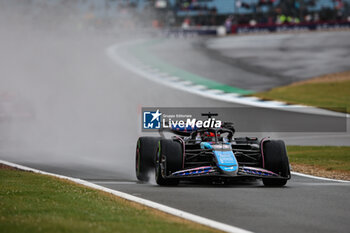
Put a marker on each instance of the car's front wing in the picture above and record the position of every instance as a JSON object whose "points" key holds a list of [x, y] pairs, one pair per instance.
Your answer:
{"points": [[214, 171]]}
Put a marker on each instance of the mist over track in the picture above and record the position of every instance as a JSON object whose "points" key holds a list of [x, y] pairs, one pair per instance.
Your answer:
{"points": [[67, 108]]}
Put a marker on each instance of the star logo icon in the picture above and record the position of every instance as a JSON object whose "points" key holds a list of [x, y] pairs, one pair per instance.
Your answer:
{"points": [[156, 115], [151, 119]]}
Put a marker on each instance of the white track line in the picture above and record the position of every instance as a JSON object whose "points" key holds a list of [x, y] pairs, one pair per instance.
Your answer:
{"points": [[319, 178], [315, 184], [163, 208]]}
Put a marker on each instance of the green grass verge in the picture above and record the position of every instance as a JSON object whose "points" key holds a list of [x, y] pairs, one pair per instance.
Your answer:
{"points": [[334, 96], [330, 158], [37, 203]]}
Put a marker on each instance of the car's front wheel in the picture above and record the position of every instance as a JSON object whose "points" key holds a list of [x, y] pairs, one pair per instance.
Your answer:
{"points": [[145, 156], [169, 159]]}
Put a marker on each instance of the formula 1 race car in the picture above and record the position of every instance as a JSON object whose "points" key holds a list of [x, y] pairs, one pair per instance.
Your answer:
{"points": [[211, 154]]}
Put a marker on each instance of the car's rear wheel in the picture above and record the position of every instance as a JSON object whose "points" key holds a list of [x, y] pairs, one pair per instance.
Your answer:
{"points": [[169, 159], [276, 160], [146, 149]]}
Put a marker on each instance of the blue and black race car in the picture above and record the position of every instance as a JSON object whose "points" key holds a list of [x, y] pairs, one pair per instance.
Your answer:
{"points": [[211, 154]]}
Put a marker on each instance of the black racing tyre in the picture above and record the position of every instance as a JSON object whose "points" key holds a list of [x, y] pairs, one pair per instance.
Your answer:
{"points": [[169, 159], [146, 149], [276, 160]]}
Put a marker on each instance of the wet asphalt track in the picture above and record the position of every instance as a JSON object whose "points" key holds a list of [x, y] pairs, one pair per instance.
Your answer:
{"points": [[260, 62], [101, 149], [288, 57]]}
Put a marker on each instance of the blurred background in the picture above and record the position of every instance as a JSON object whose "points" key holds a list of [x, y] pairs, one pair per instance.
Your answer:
{"points": [[185, 13]]}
